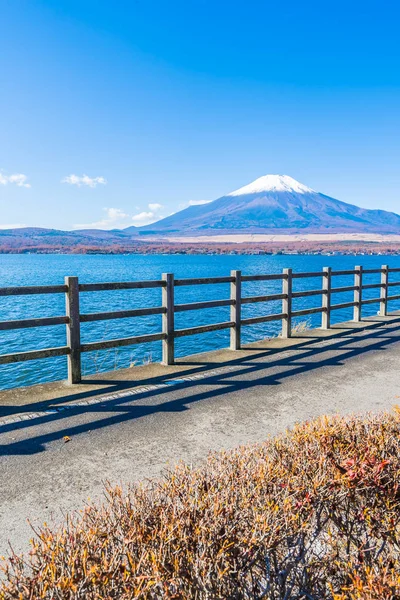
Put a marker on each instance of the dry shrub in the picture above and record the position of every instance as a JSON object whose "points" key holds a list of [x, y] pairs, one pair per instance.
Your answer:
{"points": [[311, 514]]}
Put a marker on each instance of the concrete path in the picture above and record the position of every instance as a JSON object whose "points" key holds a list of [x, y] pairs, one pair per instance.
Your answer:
{"points": [[124, 430]]}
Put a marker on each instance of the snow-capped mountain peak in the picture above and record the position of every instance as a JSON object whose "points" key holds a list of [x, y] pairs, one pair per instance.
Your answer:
{"points": [[273, 183], [276, 204]]}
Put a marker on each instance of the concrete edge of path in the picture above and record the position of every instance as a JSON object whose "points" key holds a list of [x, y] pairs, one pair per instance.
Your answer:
{"points": [[20, 404]]}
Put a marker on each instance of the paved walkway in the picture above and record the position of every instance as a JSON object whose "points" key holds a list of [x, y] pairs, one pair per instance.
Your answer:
{"points": [[122, 429]]}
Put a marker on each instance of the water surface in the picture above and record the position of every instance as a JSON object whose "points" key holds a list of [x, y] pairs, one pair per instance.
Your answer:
{"points": [[19, 270]]}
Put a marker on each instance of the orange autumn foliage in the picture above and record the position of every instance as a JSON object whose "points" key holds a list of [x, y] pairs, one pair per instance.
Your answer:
{"points": [[311, 514]]}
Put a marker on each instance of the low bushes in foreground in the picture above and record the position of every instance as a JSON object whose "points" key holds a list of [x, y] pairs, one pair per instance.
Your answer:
{"points": [[310, 514]]}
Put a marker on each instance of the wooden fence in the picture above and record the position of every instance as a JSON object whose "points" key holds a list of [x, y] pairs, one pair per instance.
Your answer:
{"points": [[73, 317]]}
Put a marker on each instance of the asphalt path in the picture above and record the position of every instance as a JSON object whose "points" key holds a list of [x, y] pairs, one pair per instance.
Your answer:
{"points": [[202, 406]]}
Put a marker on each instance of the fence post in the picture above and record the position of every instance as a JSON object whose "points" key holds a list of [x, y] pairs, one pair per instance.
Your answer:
{"points": [[168, 320], [236, 309], [73, 330], [384, 291], [358, 293], [326, 297], [287, 303]]}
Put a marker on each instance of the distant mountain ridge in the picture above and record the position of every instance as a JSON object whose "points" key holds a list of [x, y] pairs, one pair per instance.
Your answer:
{"points": [[39, 238], [272, 204], [275, 204]]}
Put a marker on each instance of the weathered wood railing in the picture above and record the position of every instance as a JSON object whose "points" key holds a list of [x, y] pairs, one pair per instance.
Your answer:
{"points": [[73, 317]]}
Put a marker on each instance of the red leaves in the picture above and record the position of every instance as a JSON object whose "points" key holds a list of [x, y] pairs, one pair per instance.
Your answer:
{"points": [[366, 470], [315, 510]]}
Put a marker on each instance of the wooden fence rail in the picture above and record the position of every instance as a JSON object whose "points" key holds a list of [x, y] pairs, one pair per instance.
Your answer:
{"points": [[73, 317]]}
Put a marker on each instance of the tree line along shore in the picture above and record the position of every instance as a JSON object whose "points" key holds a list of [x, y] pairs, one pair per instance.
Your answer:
{"points": [[163, 247]]}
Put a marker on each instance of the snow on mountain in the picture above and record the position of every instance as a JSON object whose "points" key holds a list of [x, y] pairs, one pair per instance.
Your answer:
{"points": [[275, 204], [273, 183]]}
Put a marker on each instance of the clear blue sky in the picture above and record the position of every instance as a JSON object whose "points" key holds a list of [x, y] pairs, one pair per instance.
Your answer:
{"points": [[165, 102]]}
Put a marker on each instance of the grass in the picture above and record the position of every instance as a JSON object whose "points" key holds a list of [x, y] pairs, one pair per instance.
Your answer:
{"points": [[311, 514], [301, 326]]}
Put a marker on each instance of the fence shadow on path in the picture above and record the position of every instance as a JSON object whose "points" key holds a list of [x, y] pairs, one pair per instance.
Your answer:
{"points": [[258, 368]]}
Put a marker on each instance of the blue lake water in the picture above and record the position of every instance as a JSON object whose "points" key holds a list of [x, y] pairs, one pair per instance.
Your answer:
{"points": [[20, 270]]}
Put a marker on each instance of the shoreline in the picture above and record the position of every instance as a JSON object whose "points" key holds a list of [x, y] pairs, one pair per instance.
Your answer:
{"points": [[250, 244], [236, 238], [272, 249]]}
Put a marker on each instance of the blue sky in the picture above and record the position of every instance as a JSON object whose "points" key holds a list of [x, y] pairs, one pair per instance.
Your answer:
{"points": [[116, 113]]}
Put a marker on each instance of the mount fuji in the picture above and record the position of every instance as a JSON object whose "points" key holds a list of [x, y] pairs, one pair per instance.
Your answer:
{"points": [[274, 204]]}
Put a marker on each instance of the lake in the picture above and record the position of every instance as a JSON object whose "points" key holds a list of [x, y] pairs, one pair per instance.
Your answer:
{"points": [[20, 270]]}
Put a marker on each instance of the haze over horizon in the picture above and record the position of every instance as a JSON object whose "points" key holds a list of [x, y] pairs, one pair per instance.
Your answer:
{"points": [[120, 115]]}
